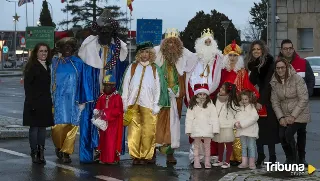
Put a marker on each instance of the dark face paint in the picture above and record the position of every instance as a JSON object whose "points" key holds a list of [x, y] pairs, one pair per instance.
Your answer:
{"points": [[67, 50], [105, 35], [108, 88]]}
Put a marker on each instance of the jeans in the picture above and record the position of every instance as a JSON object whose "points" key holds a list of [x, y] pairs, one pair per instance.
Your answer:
{"points": [[37, 136], [250, 144]]}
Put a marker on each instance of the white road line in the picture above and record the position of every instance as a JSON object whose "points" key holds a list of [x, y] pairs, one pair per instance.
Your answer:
{"points": [[75, 170]]}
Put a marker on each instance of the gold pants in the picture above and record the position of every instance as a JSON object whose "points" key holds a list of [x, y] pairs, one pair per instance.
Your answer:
{"points": [[237, 152], [141, 133], [64, 137]]}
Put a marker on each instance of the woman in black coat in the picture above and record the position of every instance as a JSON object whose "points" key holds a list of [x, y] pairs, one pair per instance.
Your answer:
{"points": [[261, 65], [37, 112]]}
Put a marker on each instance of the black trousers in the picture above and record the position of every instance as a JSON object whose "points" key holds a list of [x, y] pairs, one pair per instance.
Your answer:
{"points": [[37, 136], [271, 148], [289, 144]]}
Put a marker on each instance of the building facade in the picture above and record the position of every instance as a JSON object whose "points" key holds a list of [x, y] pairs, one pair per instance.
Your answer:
{"points": [[299, 21]]}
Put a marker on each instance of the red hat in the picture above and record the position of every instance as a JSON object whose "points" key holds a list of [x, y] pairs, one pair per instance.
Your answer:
{"points": [[198, 88]]}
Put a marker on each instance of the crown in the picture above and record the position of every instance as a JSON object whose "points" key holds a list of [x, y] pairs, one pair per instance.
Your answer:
{"points": [[171, 32], [207, 32]]}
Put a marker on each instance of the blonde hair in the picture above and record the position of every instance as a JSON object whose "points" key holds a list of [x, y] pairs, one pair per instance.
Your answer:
{"points": [[152, 55]]}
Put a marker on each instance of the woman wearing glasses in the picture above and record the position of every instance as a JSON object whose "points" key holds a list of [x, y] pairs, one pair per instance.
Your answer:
{"points": [[260, 63]]}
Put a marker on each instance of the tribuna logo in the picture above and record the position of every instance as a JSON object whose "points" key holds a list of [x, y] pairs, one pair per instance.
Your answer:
{"points": [[284, 167]]}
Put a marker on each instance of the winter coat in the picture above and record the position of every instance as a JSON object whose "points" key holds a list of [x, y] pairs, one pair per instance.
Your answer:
{"points": [[202, 122], [37, 111], [268, 126], [303, 68], [291, 97], [248, 118], [227, 118]]}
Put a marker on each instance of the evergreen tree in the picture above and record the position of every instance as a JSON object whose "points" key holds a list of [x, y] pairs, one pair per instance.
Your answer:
{"points": [[45, 16], [259, 13], [85, 12], [213, 21]]}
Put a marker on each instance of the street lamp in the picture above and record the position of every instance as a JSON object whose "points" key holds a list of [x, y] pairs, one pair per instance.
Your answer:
{"points": [[15, 27], [225, 25], [2, 56]]}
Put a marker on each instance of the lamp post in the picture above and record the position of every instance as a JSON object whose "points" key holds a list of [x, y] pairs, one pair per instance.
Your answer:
{"points": [[225, 25], [15, 27], [2, 57]]}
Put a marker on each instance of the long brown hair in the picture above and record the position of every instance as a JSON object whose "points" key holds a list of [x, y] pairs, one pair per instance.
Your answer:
{"points": [[34, 57], [170, 55], [193, 102], [282, 59], [251, 96], [262, 58]]}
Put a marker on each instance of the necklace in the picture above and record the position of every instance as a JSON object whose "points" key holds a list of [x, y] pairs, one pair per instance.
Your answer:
{"points": [[208, 72], [108, 97]]}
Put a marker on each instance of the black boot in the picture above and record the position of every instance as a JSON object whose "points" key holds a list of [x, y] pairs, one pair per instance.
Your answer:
{"points": [[59, 153], [34, 156], [41, 153], [260, 160], [288, 152], [66, 158], [273, 159], [302, 160]]}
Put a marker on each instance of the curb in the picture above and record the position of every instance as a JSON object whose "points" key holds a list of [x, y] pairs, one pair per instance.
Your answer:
{"points": [[18, 133]]}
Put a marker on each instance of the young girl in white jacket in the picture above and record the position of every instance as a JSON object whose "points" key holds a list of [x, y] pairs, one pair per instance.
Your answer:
{"points": [[227, 107], [201, 122], [247, 128]]}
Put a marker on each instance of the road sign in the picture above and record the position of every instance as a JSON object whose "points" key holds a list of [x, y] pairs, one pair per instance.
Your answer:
{"points": [[5, 49], [149, 30], [22, 41], [41, 34]]}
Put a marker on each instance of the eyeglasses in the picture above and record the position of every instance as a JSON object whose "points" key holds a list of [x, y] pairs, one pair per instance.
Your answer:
{"points": [[281, 68], [288, 49]]}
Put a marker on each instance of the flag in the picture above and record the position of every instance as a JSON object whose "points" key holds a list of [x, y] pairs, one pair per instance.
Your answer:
{"points": [[22, 2], [129, 4], [62, 1]]}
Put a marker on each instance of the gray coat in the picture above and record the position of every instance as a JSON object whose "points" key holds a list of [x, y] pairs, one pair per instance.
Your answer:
{"points": [[291, 97]]}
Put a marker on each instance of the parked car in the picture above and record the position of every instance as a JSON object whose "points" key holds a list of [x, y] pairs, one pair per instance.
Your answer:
{"points": [[315, 65]]}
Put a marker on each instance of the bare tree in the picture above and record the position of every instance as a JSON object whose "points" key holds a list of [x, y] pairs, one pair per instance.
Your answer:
{"points": [[251, 32]]}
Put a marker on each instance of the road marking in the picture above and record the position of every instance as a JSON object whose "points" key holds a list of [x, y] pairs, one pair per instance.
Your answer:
{"points": [[75, 170]]}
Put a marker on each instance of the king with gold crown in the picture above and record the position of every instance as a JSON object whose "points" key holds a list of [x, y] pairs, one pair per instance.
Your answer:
{"points": [[174, 60]]}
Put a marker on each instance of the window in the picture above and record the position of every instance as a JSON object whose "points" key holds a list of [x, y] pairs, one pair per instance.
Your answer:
{"points": [[305, 38]]}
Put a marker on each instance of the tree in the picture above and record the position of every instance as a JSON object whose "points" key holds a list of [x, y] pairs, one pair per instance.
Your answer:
{"points": [[45, 16], [84, 13], [252, 33], [259, 14], [213, 21]]}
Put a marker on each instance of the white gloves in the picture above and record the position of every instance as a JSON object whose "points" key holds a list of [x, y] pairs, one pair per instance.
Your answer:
{"points": [[156, 109], [81, 106]]}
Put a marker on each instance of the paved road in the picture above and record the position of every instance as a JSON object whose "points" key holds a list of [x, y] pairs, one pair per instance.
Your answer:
{"points": [[15, 162]]}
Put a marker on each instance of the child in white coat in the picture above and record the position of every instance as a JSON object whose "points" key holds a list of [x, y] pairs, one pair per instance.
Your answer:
{"points": [[201, 122], [227, 107], [247, 128]]}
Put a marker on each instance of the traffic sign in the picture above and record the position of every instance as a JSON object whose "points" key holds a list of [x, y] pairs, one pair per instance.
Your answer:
{"points": [[149, 30], [5, 49], [22, 41], [41, 34]]}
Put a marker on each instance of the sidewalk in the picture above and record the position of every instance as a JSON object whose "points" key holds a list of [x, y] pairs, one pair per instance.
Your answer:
{"points": [[12, 128], [9, 73], [263, 175]]}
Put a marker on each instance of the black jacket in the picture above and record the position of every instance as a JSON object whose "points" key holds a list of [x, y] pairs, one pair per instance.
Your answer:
{"points": [[37, 110]]}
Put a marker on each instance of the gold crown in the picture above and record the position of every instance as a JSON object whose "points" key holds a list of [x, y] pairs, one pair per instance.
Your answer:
{"points": [[207, 32], [171, 32]]}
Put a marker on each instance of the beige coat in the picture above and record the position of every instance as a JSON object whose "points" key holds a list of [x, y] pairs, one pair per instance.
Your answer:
{"points": [[248, 118], [202, 122], [291, 97]]}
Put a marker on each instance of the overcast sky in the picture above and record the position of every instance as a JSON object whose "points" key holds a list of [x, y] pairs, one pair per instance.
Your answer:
{"points": [[174, 13]]}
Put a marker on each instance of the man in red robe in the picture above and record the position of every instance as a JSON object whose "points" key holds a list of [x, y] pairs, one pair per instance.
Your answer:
{"points": [[109, 108]]}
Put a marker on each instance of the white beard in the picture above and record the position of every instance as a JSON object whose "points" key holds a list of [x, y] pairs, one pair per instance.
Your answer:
{"points": [[206, 54]]}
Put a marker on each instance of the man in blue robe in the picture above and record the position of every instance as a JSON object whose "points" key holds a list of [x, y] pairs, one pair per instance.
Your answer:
{"points": [[73, 94], [101, 52]]}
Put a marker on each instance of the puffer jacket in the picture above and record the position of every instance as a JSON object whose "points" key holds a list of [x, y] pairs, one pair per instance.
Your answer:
{"points": [[248, 118], [290, 97]]}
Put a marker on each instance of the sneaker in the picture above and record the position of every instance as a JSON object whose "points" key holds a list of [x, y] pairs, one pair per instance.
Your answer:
{"points": [[217, 164], [225, 165], [214, 159]]}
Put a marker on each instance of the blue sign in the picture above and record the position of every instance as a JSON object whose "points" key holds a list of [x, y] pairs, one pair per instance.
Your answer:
{"points": [[5, 49], [149, 30]]}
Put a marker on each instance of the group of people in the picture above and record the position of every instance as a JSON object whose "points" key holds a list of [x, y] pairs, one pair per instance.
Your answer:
{"points": [[231, 104]]}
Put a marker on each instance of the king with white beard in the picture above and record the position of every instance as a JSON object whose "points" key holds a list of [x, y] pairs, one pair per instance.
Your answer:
{"points": [[208, 68]]}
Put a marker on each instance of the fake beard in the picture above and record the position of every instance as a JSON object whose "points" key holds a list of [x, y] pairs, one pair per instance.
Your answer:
{"points": [[206, 53]]}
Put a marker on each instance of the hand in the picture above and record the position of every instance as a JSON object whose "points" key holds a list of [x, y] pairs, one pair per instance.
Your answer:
{"points": [[156, 109], [171, 93], [283, 122], [290, 119], [258, 106], [81, 106]]}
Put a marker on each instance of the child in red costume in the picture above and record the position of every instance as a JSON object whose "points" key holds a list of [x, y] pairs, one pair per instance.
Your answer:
{"points": [[110, 109]]}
